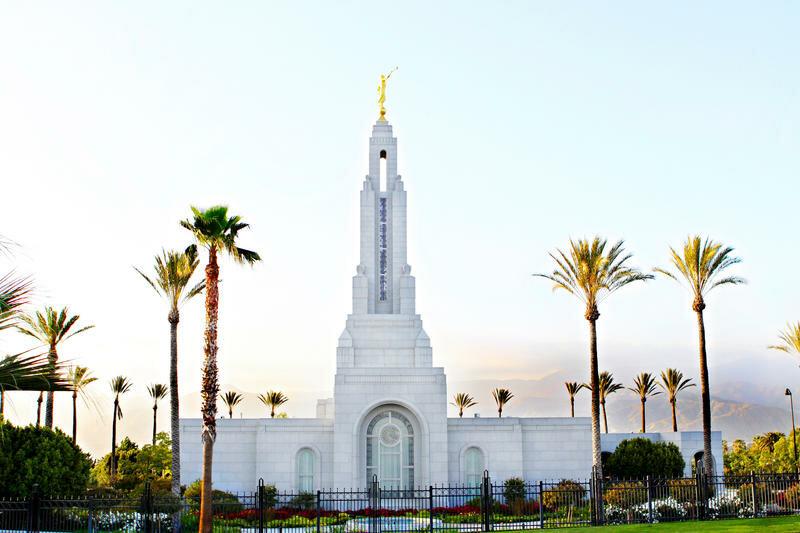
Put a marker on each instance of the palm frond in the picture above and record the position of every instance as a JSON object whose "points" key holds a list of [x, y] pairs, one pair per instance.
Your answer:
{"points": [[645, 385], [23, 372], [14, 294], [791, 339], [157, 391]]}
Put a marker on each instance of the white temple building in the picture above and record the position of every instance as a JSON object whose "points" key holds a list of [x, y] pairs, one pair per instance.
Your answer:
{"points": [[388, 415]]}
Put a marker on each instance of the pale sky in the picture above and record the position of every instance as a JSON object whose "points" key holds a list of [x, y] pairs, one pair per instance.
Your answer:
{"points": [[519, 124]]}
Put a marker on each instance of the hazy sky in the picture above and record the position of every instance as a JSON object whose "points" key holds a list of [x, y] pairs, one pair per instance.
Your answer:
{"points": [[519, 124]]}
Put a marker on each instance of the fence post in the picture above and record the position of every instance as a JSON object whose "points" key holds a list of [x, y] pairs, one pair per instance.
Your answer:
{"points": [[541, 504], [260, 503], [649, 501], [375, 498], [755, 493], [699, 500], [486, 501], [319, 501], [34, 503], [90, 517], [430, 507], [147, 508]]}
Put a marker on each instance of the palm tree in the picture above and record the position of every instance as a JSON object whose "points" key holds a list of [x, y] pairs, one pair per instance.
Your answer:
{"points": [[14, 293], [79, 378], [21, 372], [501, 398], [231, 399], [672, 381], [172, 273], [39, 401], [272, 400], [157, 392], [791, 339], [590, 273], [607, 387], [51, 327], [645, 386], [217, 232], [119, 385], [462, 400], [573, 388], [701, 265]]}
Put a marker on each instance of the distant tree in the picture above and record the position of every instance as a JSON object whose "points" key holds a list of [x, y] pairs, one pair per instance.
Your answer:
{"points": [[157, 391], [119, 386], [38, 456], [700, 266], [231, 399], [80, 378], [273, 399], [462, 400], [607, 387], [640, 457], [136, 466], [672, 381], [590, 272], [217, 232], [51, 327], [501, 398], [644, 386], [573, 388]]}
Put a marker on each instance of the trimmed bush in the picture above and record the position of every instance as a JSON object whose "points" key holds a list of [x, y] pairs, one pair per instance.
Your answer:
{"points": [[567, 493], [304, 500], [625, 493], [638, 458], [227, 502], [514, 490]]}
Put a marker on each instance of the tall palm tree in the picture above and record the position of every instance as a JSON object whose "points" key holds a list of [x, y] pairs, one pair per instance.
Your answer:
{"points": [[51, 327], [157, 392], [644, 385], [590, 273], [790, 338], [172, 274], [700, 265], [79, 377], [573, 388], [217, 232], [231, 399], [672, 381], [119, 386], [273, 399], [607, 387], [501, 398], [462, 400]]}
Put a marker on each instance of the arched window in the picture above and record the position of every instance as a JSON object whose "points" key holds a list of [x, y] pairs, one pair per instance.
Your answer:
{"points": [[390, 450], [306, 465], [474, 465]]}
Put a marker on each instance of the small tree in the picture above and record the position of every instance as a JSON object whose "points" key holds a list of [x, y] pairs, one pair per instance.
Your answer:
{"points": [[644, 387], [501, 398], [573, 388], [273, 399], [640, 457], [462, 400], [157, 391], [231, 399], [672, 381]]}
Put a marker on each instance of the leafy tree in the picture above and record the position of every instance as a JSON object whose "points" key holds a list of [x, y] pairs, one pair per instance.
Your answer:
{"points": [[231, 399], [39, 456], [51, 327], [501, 398], [217, 232], [700, 266], [119, 386], [573, 388], [770, 453], [135, 465], [672, 381], [590, 273], [273, 399], [462, 400], [157, 392], [640, 457], [644, 386], [514, 490], [79, 378], [172, 274]]}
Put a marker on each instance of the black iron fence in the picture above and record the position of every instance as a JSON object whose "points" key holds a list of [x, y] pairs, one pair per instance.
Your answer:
{"points": [[489, 506]]}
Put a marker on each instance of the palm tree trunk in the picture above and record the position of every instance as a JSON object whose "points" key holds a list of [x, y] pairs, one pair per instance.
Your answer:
{"points": [[605, 420], [39, 409], [272, 412], [155, 415], [500, 412], [594, 377], [705, 395], [2, 403], [113, 467], [210, 390], [644, 424], [74, 416], [572, 406], [460, 412], [230, 412], [52, 356], [174, 411], [674, 417]]}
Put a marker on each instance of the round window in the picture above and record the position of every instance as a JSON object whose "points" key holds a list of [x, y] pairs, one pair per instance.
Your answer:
{"points": [[390, 435]]}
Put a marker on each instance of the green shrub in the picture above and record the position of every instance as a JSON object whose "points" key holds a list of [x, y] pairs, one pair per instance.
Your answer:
{"points": [[304, 500], [514, 490], [228, 502], [640, 457], [40, 456], [625, 493], [270, 495], [567, 493]]}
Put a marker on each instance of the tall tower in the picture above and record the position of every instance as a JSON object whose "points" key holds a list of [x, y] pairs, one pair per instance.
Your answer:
{"points": [[384, 369]]}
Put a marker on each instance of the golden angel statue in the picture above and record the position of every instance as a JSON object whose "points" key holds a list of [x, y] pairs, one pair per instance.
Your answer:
{"points": [[382, 94]]}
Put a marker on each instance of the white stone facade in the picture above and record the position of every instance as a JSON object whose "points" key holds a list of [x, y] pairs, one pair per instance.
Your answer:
{"points": [[388, 416]]}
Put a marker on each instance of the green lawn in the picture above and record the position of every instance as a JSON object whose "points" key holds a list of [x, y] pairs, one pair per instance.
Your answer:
{"points": [[784, 524]]}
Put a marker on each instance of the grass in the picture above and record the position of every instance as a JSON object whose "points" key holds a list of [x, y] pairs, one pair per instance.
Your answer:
{"points": [[785, 524]]}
